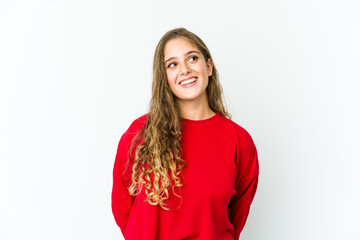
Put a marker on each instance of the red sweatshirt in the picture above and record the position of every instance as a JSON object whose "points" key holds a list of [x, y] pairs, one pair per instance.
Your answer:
{"points": [[219, 183]]}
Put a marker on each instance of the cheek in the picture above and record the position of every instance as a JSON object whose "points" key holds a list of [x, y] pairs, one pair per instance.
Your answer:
{"points": [[171, 76], [172, 86], [201, 68], [170, 81]]}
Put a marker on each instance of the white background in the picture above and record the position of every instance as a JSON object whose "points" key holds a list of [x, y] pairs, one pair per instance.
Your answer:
{"points": [[75, 74]]}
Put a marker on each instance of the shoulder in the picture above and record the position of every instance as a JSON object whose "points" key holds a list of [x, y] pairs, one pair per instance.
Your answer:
{"points": [[242, 136], [135, 126], [246, 153]]}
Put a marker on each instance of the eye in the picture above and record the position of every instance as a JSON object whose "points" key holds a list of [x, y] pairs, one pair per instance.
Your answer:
{"points": [[171, 65], [194, 58]]}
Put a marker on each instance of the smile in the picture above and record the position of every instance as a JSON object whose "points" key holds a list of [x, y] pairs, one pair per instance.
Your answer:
{"points": [[188, 81]]}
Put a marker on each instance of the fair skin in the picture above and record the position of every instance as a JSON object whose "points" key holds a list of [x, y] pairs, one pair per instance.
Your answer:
{"points": [[188, 75]]}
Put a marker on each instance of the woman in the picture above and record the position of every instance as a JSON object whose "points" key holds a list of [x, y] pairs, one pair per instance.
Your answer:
{"points": [[184, 170]]}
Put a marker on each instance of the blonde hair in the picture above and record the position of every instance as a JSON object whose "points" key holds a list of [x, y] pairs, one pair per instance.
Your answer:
{"points": [[158, 149]]}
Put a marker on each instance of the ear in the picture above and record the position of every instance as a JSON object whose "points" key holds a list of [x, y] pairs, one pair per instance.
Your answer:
{"points": [[209, 65]]}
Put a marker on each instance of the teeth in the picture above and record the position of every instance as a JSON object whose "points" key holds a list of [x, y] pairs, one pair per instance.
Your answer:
{"points": [[188, 81]]}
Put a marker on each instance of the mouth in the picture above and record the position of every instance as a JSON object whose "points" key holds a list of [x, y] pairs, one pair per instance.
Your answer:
{"points": [[188, 81]]}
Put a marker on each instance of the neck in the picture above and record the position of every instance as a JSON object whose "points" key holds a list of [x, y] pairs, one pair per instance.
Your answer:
{"points": [[195, 110]]}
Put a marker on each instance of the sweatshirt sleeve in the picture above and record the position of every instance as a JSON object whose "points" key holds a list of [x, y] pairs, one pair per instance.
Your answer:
{"points": [[121, 200], [246, 182]]}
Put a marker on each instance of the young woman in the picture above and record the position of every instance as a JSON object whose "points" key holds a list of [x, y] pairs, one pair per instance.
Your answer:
{"points": [[184, 170]]}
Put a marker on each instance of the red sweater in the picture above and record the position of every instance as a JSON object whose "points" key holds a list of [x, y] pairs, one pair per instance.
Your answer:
{"points": [[219, 183]]}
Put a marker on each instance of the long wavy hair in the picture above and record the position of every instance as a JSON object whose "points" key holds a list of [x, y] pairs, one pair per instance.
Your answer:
{"points": [[157, 144]]}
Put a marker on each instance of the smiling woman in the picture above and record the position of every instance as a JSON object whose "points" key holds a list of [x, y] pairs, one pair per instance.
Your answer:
{"points": [[187, 73], [184, 170]]}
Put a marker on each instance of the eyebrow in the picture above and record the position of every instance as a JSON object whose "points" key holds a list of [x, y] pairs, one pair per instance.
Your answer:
{"points": [[189, 52]]}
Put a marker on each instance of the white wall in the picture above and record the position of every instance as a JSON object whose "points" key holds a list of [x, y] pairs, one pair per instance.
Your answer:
{"points": [[74, 74]]}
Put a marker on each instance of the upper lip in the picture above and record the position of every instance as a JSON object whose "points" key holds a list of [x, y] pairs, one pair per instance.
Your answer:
{"points": [[187, 79]]}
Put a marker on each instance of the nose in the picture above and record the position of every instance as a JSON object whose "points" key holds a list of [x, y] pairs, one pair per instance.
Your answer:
{"points": [[185, 69]]}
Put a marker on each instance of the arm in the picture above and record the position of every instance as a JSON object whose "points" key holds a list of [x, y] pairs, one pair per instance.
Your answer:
{"points": [[246, 183], [121, 200]]}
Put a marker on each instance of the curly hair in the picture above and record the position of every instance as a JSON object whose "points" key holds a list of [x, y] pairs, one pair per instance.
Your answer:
{"points": [[157, 144]]}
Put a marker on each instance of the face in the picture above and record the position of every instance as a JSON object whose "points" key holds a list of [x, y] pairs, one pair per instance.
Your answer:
{"points": [[186, 69]]}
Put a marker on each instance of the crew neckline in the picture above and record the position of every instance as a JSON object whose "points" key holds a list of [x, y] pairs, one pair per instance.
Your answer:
{"points": [[202, 121]]}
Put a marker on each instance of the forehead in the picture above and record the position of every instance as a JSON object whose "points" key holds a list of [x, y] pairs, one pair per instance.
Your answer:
{"points": [[178, 46]]}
